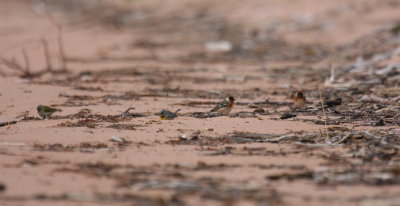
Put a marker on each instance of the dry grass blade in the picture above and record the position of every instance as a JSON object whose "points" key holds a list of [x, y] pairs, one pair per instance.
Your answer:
{"points": [[3, 124], [61, 47], [12, 64], [343, 139], [26, 61], [47, 54], [323, 111]]}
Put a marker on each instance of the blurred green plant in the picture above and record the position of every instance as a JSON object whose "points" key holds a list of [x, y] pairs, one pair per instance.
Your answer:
{"points": [[395, 29], [130, 1]]}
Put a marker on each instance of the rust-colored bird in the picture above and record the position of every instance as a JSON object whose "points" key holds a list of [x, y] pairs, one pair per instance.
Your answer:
{"points": [[299, 101], [225, 106]]}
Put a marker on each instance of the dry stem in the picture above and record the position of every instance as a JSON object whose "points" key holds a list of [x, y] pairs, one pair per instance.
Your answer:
{"points": [[60, 41], [323, 111], [26, 61], [47, 54]]}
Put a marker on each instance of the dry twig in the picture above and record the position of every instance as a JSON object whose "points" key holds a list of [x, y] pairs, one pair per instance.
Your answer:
{"points": [[343, 138], [14, 65], [60, 41], [3, 124], [323, 111], [26, 61], [47, 55]]}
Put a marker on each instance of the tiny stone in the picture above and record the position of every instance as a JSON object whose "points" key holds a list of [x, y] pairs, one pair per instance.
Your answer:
{"points": [[183, 137], [117, 139]]}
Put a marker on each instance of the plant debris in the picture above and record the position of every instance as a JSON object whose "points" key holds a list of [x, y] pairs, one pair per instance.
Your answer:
{"points": [[83, 147], [151, 57], [3, 124], [2, 187]]}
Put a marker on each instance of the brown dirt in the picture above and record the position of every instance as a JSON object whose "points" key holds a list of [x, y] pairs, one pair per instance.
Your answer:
{"points": [[151, 55]]}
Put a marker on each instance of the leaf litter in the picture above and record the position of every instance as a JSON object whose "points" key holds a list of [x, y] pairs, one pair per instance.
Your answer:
{"points": [[358, 91]]}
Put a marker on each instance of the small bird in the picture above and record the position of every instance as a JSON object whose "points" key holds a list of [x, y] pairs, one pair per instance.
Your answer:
{"points": [[168, 115], [45, 112], [225, 106], [299, 100]]}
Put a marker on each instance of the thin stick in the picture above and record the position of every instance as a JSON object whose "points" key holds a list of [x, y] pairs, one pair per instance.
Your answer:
{"points": [[26, 61], [47, 54], [3, 124], [166, 83], [60, 40], [343, 138], [323, 111], [12, 64], [61, 47], [126, 111], [332, 76], [2, 73]]}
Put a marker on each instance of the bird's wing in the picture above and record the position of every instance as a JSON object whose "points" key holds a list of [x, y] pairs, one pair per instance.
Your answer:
{"points": [[49, 109], [223, 104], [170, 114]]}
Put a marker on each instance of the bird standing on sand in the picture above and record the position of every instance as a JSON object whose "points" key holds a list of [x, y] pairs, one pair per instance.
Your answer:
{"points": [[299, 101], [225, 106], [168, 115], [45, 112]]}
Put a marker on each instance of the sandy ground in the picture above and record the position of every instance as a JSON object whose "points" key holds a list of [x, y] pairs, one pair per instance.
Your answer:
{"points": [[72, 160]]}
